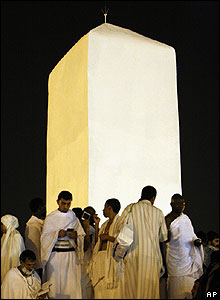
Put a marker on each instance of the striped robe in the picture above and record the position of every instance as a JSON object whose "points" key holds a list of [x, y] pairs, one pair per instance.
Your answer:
{"points": [[143, 262]]}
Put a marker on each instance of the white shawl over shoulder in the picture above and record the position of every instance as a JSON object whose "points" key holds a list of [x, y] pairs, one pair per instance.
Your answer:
{"points": [[12, 244], [183, 258], [53, 223]]}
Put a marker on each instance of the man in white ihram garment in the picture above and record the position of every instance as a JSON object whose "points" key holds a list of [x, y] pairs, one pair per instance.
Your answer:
{"points": [[12, 244], [184, 257], [62, 242], [22, 282], [102, 267], [34, 228], [137, 248]]}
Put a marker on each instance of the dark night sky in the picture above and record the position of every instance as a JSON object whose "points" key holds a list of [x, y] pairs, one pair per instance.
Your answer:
{"points": [[35, 35]]}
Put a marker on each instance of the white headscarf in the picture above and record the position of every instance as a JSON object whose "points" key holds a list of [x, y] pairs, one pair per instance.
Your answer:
{"points": [[12, 244]]}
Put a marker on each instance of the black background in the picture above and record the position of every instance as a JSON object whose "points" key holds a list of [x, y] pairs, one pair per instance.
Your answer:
{"points": [[35, 35]]}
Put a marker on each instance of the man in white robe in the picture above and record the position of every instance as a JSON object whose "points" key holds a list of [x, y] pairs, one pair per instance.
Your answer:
{"points": [[62, 243], [184, 257], [12, 244], [102, 267], [33, 230], [142, 260], [22, 282]]}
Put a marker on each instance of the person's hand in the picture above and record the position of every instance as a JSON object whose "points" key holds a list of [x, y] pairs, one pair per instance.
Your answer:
{"points": [[62, 233], [96, 219], [198, 242], [104, 237], [72, 234], [195, 288]]}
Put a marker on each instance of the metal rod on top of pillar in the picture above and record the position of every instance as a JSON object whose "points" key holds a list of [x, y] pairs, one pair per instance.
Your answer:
{"points": [[105, 13]]}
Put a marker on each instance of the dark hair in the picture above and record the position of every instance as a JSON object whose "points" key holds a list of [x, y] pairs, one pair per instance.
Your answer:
{"points": [[27, 254], [177, 197], [35, 204], [202, 235], [115, 204], [78, 212], [211, 235], [65, 195], [148, 192], [90, 210]]}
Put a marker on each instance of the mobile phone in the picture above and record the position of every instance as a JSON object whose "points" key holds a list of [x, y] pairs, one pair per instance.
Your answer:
{"points": [[70, 229], [86, 216]]}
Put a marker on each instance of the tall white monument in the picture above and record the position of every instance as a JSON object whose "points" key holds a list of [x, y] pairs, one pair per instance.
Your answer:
{"points": [[113, 123]]}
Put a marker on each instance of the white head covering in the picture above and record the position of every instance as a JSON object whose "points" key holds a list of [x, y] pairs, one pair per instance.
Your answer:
{"points": [[12, 244]]}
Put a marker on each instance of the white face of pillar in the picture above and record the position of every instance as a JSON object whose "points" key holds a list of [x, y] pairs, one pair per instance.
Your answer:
{"points": [[132, 118], [115, 113]]}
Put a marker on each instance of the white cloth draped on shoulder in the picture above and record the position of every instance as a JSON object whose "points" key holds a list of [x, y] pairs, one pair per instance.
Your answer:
{"points": [[33, 231], [125, 237], [53, 223], [62, 269], [16, 286], [183, 257], [12, 244]]}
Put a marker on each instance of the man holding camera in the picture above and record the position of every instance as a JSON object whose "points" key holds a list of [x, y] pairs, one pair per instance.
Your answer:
{"points": [[62, 243]]}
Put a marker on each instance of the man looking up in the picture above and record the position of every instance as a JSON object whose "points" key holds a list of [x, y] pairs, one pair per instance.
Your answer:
{"points": [[184, 252], [62, 242]]}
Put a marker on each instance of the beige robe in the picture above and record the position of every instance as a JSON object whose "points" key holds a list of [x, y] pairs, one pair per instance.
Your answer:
{"points": [[102, 269], [143, 261], [33, 232]]}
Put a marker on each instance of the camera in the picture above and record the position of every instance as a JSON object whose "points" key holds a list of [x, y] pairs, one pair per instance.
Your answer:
{"points": [[86, 216]]}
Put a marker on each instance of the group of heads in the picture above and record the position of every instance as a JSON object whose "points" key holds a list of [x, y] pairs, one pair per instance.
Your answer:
{"points": [[64, 200], [148, 193], [177, 200]]}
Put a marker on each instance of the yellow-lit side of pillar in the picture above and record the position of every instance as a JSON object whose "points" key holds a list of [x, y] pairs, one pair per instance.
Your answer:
{"points": [[67, 129]]}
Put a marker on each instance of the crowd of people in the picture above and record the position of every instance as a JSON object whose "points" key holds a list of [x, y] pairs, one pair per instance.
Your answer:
{"points": [[138, 254]]}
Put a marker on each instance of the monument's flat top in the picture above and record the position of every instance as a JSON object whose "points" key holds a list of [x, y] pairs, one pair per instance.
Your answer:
{"points": [[113, 31]]}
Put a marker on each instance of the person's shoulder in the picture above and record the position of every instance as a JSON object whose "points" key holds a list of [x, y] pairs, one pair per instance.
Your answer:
{"points": [[29, 221], [12, 273], [51, 214], [71, 213], [156, 209], [185, 217], [17, 236], [104, 224], [131, 205]]}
